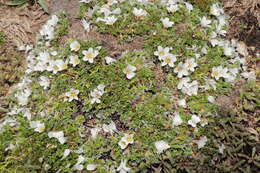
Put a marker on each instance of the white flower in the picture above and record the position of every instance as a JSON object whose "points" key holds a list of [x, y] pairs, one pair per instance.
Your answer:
{"points": [[161, 146], [176, 121], [47, 31], [27, 114], [10, 147], [189, 6], [91, 167], [122, 167], [53, 21], [218, 72], [183, 83], [232, 73], [72, 94], [110, 128], [182, 70], [228, 50], [169, 59], [161, 52], [201, 142], [25, 48], [216, 10], [210, 83], [85, 1], [122, 144], [173, 8], [74, 60], [94, 132], [58, 135], [194, 120], [211, 99], [90, 54], [110, 20], [109, 60], [44, 82], [221, 148], [190, 64], [249, 75], [37, 126], [205, 22], [182, 103], [66, 153], [85, 25], [139, 12], [126, 140], [79, 166], [191, 88], [242, 48], [58, 65], [129, 71], [74, 46], [97, 93], [167, 23]]}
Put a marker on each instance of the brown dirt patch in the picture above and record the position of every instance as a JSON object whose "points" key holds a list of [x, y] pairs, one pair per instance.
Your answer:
{"points": [[244, 21], [20, 26]]}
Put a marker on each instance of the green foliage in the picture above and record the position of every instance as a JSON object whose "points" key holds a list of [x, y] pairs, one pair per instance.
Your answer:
{"points": [[2, 38], [143, 106], [42, 3]]}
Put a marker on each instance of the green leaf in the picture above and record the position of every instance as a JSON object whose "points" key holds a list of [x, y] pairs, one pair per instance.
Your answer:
{"points": [[15, 2], [43, 5]]}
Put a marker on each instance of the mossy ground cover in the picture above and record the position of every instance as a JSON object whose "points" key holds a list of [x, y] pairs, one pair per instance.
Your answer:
{"points": [[126, 110]]}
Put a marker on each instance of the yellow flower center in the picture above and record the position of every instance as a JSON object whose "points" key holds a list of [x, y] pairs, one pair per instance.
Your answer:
{"points": [[129, 139], [161, 53], [215, 73], [73, 94], [167, 60], [89, 56], [77, 47]]}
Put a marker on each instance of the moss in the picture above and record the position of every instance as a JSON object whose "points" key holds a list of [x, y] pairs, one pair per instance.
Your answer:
{"points": [[2, 38]]}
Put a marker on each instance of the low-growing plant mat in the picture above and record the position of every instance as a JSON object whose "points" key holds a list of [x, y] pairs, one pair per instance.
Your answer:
{"points": [[109, 100]]}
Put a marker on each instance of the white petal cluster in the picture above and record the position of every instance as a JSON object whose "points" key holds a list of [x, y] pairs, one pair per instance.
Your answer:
{"points": [[161, 146], [44, 82], [109, 60], [122, 167], [109, 16], [216, 10], [90, 54], [201, 142], [59, 135], [188, 87], [129, 71], [75, 46], [85, 25], [139, 12], [126, 140], [97, 93], [38, 126], [194, 120], [205, 22], [176, 120], [166, 22], [74, 60], [72, 95], [162, 52], [79, 165], [47, 31], [109, 128]]}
